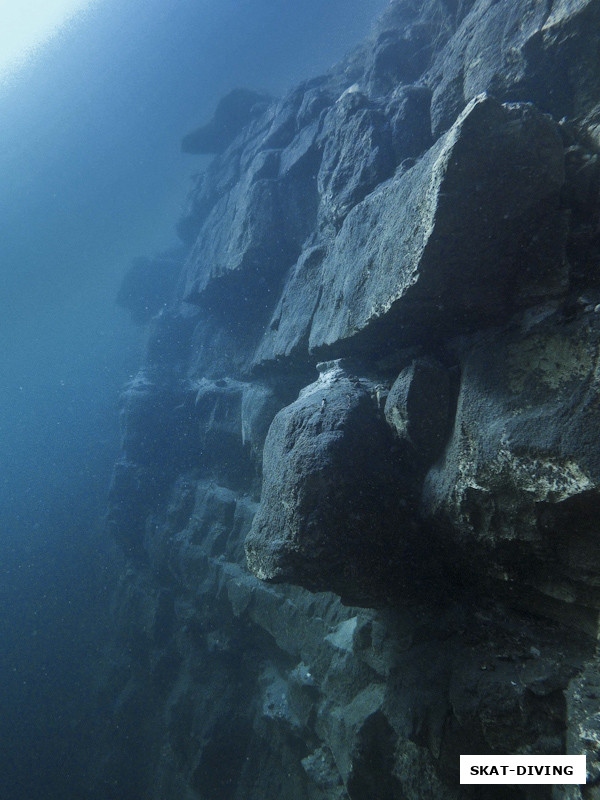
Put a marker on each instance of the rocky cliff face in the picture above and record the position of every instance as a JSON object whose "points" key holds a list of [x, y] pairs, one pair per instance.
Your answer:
{"points": [[359, 490]]}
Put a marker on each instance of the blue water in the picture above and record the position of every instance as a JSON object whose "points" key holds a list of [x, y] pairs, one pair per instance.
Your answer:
{"points": [[92, 176]]}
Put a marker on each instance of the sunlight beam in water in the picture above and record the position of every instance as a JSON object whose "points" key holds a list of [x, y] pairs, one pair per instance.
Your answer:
{"points": [[27, 24]]}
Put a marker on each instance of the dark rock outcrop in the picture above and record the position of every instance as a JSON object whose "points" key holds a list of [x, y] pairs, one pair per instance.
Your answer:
{"points": [[232, 115], [148, 285], [419, 416], [335, 507], [517, 487], [425, 218], [437, 250]]}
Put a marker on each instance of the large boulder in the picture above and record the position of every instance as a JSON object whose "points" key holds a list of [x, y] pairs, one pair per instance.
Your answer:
{"points": [[470, 232], [451, 244], [335, 510]]}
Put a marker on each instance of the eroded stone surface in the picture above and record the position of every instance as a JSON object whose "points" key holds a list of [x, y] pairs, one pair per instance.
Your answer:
{"points": [[333, 510], [530, 51], [437, 250], [445, 243], [519, 478], [419, 407]]}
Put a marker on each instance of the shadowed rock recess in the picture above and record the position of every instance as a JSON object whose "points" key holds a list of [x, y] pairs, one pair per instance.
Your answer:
{"points": [[359, 490]]}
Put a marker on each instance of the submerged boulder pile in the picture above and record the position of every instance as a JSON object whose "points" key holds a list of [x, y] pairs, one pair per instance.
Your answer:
{"points": [[359, 492]]}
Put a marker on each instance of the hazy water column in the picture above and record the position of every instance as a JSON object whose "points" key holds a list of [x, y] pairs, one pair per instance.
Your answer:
{"points": [[91, 176]]}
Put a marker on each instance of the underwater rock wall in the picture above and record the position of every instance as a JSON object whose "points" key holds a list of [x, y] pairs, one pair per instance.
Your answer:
{"points": [[358, 496]]}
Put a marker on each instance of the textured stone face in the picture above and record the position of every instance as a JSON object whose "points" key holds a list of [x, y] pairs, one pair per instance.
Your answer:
{"points": [[525, 51], [357, 154], [333, 510], [527, 403], [252, 218], [418, 408], [436, 251], [286, 336], [518, 482], [423, 217]]}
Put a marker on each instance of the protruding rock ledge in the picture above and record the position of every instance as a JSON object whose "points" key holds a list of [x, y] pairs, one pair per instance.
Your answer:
{"points": [[233, 113], [438, 250]]}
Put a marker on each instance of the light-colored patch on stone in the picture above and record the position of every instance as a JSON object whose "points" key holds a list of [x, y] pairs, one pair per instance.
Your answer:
{"points": [[343, 635], [503, 492], [552, 360], [543, 479]]}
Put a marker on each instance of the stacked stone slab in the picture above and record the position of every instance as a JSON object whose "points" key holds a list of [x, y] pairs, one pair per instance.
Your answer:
{"points": [[358, 494]]}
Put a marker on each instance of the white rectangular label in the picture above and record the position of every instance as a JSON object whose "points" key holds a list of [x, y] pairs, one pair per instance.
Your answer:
{"points": [[522, 769]]}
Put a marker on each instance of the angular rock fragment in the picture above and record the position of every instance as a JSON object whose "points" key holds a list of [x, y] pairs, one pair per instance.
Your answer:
{"points": [[437, 250], [233, 418], [398, 58], [259, 406], [218, 410], [357, 155], [236, 240], [286, 336], [252, 234], [417, 407], [409, 120]]}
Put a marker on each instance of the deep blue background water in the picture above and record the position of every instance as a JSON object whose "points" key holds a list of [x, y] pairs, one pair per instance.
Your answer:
{"points": [[91, 175]]}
